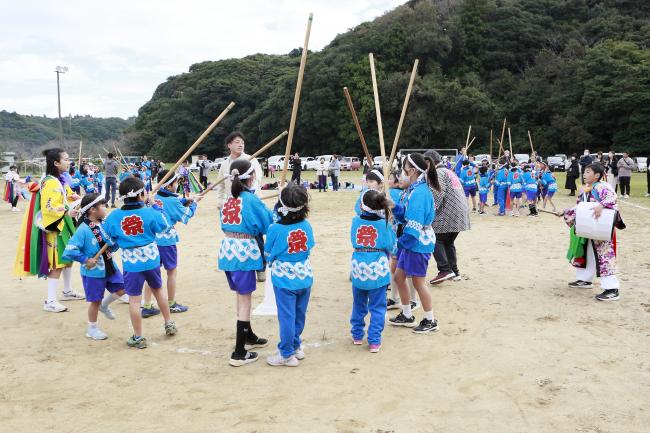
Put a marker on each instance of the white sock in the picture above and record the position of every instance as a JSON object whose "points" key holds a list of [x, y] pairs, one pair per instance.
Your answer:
{"points": [[406, 310], [51, 289], [109, 299], [67, 279], [428, 315], [92, 324]]}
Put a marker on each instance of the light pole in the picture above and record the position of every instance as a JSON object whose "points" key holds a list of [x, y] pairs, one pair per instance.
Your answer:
{"points": [[60, 70]]}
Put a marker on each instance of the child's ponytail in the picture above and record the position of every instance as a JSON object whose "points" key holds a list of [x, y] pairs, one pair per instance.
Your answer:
{"points": [[432, 174]]}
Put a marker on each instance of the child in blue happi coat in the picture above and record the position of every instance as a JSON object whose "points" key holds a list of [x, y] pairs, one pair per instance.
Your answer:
{"points": [[516, 185], [501, 185], [418, 240], [243, 218], [176, 209], [530, 185], [288, 244], [484, 182], [97, 275], [134, 227], [468, 179], [549, 184], [374, 241], [374, 180]]}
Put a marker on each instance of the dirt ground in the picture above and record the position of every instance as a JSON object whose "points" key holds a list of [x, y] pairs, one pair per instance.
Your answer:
{"points": [[518, 351]]}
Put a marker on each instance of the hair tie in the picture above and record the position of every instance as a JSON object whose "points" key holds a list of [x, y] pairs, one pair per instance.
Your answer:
{"points": [[284, 209]]}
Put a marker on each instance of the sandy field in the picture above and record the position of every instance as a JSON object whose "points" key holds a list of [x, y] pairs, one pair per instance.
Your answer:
{"points": [[517, 351]]}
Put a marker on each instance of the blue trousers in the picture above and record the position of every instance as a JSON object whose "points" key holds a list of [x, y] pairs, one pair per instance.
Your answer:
{"points": [[292, 308], [111, 189], [494, 194], [364, 301], [501, 198]]}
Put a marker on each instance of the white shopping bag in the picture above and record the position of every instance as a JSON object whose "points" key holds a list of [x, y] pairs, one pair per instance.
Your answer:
{"points": [[267, 307], [587, 226]]}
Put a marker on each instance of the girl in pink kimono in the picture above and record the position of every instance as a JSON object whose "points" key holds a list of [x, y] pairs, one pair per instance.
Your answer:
{"points": [[593, 258]]}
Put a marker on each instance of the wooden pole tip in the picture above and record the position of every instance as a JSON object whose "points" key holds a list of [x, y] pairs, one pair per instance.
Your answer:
{"points": [[232, 104], [311, 16]]}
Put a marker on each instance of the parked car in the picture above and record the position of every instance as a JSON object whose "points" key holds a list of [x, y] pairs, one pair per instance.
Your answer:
{"points": [[555, 163], [308, 162], [479, 158], [641, 163], [350, 163], [277, 162], [522, 157], [377, 162]]}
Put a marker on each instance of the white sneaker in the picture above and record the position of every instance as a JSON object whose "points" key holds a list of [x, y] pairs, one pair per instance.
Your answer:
{"points": [[457, 278], [14, 209], [107, 312], [300, 354], [54, 307], [278, 360], [648, 194], [72, 296], [124, 298], [95, 333]]}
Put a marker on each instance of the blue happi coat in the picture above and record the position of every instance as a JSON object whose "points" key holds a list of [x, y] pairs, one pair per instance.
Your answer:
{"points": [[416, 214], [530, 181], [244, 214], [549, 182], [175, 211], [134, 228], [515, 180], [83, 246], [467, 176], [374, 241], [287, 249], [484, 183]]}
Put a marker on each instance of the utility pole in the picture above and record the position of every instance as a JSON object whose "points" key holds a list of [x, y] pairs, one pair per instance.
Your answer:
{"points": [[60, 70]]}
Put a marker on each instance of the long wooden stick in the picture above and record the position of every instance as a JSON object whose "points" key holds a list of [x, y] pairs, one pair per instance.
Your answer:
{"points": [[79, 166], [192, 147], [380, 128], [270, 196], [469, 145], [409, 89], [503, 131], [355, 119], [469, 131], [510, 140], [296, 101], [259, 151], [548, 211], [532, 150], [101, 251]]}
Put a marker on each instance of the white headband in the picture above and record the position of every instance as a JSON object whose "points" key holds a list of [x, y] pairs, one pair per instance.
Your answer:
{"points": [[414, 165], [132, 194], [365, 208], [284, 209], [170, 181], [244, 176], [84, 209], [379, 174]]}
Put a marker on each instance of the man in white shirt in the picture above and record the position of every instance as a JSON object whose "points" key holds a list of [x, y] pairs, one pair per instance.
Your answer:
{"points": [[235, 142]]}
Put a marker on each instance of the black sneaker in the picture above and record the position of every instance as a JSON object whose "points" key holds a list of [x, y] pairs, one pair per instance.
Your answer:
{"points": [[392, 305], [256, 343], [579, 284], [401, 320], [414, 305], [608, 295], [426, 326], [237, 360]]}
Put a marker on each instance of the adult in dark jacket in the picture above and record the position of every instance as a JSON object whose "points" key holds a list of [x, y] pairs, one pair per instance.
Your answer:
{"points": [[573, 172], [296, 169]]}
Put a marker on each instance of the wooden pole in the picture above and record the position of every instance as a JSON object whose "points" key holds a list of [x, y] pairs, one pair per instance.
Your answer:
{"points": [[532, 150], [259, 152], [79, 166], [101, 251], [469, 131], [503, 131], [192, 147], [512, 155], [469, 145], [380, 128], [355, 119], [296, 101], [409, 89], [270, 196]]}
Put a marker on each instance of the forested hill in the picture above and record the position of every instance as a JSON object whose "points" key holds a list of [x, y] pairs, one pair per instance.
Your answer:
{"points": [[576, 73], [28, 135]]}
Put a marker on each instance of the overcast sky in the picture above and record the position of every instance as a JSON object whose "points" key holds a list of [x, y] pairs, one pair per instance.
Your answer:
{"points": [[117, 52]]}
